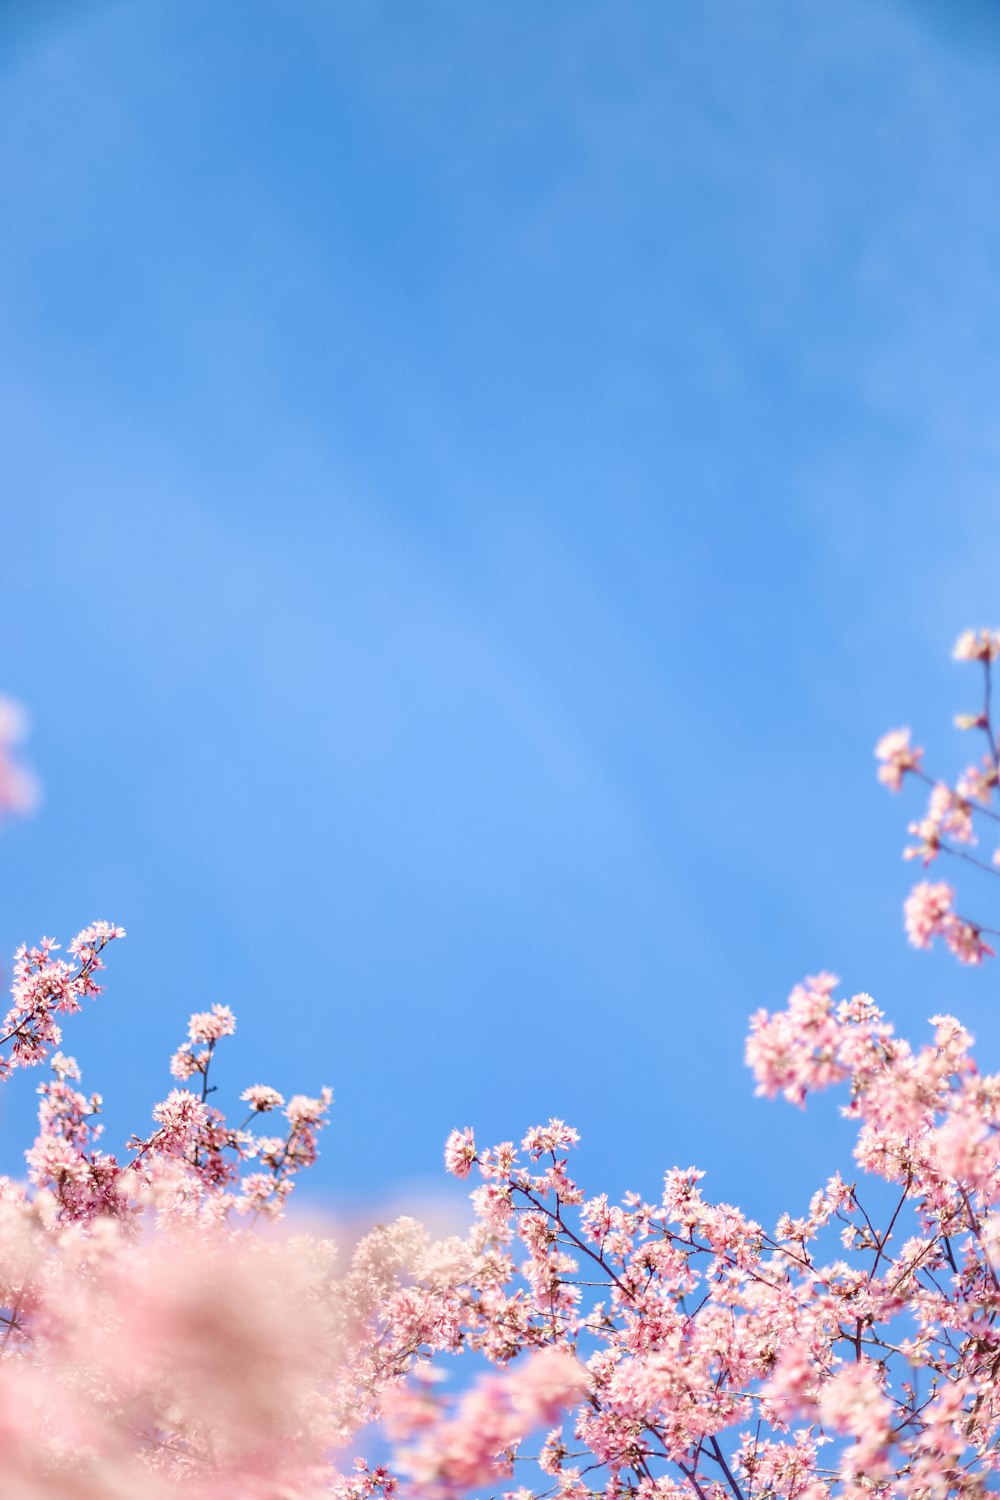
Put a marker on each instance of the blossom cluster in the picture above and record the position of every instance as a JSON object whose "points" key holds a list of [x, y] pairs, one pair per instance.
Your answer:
{"points": [[955, 818], [718, 1357], [164, 1332], [45, 988], [151, 1342]]}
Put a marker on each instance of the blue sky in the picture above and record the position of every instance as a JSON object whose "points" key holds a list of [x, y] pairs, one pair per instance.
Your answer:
{"points": [[476, 481]]}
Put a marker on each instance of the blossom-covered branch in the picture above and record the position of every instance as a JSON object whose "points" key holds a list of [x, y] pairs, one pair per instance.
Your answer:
{"points": [[949, 826], [720, 1358], [150, 1343], [161, 1336]]}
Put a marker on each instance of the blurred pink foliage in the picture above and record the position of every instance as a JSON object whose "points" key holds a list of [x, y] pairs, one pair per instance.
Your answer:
{"points": [[20, 792], [154, 1341], [164, 1332]]}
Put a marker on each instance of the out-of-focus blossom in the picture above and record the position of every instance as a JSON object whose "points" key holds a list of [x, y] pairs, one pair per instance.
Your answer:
{"points": [[151, 1344], [898, 757], [928, 910], [20, 790], [977, 645]]}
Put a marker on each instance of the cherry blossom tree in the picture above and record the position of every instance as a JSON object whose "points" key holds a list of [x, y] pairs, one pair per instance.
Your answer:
{"points": [[828, 1355], [835, 1353], [166, 1329], [155, 1338]]}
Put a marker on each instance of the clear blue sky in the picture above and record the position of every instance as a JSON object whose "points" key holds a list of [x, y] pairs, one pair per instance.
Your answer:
{"points": [[475, 482]]}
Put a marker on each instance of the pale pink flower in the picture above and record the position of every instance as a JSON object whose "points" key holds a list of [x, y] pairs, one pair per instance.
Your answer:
{"points": [[982, 645], [963, 1149], [851, 1403], [929, 912], [966, 941], [546, 1384], [88, 943], [301, 1110], [947, 813], [66, 1067], [555, 1136], [898, 757], [210, 1025], [181, 1113], [977, 782], [451, 1455], [928, 908], [793, 1382], [460, 1152], [261, 1098], [795, 1050], [184, 1064]]}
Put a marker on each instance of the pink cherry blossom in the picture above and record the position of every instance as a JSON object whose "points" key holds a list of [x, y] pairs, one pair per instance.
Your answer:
{"points": [[928, 909], [982, 645], [898, 757], [459, 1152], [211, 1025], [261, 1097]]}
